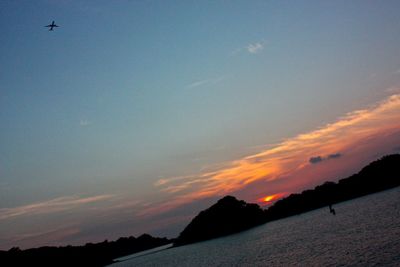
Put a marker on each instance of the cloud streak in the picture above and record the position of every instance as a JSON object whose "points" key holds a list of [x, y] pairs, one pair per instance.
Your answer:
{"points": [[315, 160], [355, 134], [334, 156], [255, 48], [318, 159], [204, 82], [50, 206], [252, 48]]}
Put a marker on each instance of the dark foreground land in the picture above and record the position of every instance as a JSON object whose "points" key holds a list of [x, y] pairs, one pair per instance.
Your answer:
{"points": [[227, 216], [230, 215], [99, 254]]}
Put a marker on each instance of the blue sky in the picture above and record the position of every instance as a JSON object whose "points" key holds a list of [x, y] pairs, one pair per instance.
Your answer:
{"points": [[125, 94]]}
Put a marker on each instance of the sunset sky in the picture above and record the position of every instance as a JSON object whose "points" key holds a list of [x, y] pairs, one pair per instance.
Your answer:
{"points": [[133, 116]]}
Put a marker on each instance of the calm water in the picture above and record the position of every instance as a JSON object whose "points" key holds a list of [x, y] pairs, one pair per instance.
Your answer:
{"points": [[364, 232]]}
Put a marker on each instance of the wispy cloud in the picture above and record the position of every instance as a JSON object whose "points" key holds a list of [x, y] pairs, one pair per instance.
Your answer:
{"points": [[50, 206], [55, 234], [252, 48], [84, 123], [198, 83], [205, 82], [354, 133], [255, 48], [393, 90]]}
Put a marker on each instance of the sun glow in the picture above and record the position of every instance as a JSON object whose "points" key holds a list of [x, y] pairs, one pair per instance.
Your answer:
{"points": [[286, 166], [271, 198]]}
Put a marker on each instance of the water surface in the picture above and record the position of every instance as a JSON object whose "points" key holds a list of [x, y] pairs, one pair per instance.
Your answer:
{"points": [[364, 232]]}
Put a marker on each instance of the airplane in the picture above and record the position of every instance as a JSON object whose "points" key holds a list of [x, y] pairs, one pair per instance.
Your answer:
{"points": [[51, 26]]}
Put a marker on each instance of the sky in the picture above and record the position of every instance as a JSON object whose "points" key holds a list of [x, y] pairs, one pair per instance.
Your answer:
{"points": [[133, 116]]}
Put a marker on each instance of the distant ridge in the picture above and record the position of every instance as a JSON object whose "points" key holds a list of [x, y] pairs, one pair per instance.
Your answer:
{"points": [[230, 215]]}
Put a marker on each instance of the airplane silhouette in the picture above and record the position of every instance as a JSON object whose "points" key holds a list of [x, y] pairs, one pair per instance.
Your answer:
{"points": [[51, 26]]}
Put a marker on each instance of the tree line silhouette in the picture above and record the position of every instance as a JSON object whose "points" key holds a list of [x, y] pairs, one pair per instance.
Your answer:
{"points": [[376, 176], [230, 215], [99, 254], [227, 216]]}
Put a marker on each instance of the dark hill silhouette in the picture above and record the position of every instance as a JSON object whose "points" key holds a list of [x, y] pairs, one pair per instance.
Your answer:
{"points": [[227, 216], [230, 215], [377, 176], [92, 255]]}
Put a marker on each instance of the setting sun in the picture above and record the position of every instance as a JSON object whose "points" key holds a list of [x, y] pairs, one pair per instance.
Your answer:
{"points": [[271, 198]]}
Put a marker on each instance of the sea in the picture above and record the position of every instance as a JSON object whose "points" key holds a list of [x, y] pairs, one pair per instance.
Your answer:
{"points": [[364, 232]]}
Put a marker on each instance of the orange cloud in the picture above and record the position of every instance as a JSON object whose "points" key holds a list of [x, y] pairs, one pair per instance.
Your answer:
{"points": [[353, 135]]}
